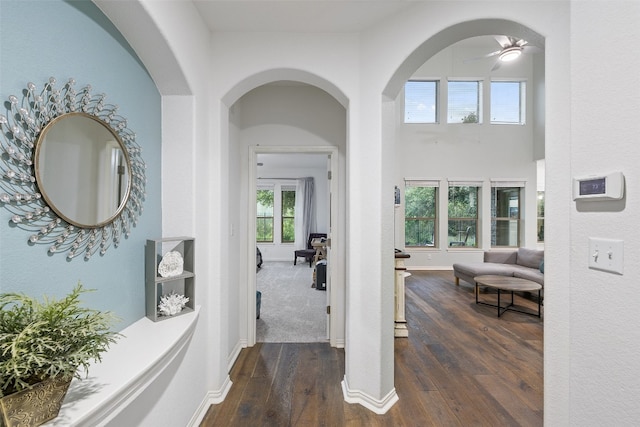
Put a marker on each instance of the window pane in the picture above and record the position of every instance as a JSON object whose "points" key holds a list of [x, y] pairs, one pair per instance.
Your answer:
{"points": [[264, 229], [505, 213], [540, 216], [264, 220], [420, 102], [463, 216], [507, 104], [265, 202], [420, 216], [463, 102], [288, 210]]}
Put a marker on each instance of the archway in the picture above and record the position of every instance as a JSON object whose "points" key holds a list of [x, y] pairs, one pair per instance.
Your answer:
{"points": [[244, 173]]}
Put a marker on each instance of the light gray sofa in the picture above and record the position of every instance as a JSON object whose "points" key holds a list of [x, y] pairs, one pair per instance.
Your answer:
{"points": [[523, 263]]}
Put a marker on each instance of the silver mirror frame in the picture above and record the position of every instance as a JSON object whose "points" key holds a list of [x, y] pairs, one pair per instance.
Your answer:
{"points": [[19, 192]]}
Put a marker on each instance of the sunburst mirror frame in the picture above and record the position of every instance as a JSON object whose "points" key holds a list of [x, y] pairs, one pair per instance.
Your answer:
{"points": [[19, 192]]}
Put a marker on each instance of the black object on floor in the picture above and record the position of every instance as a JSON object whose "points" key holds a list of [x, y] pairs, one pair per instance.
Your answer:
{"points": [[321, 275], [258, 301]]}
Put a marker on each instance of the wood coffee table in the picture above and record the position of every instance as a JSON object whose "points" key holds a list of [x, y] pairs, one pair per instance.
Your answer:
{"points": [[509, 284]]}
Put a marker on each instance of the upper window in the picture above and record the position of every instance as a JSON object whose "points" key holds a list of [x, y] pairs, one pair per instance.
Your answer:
{"points": [[463, 216], [421, 102], [464, 101], [508, 102], [264, 219], [505, 216], [420, 209]]}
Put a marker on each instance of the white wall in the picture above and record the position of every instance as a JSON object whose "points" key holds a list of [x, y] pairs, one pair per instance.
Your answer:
{"points": [[603, 342], [478, 152], [590, 125]]}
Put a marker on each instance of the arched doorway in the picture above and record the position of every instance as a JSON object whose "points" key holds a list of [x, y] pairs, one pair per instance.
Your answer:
{"points": [[299, 133]]}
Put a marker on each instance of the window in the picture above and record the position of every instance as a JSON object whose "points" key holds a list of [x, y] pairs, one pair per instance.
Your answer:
{"points": [[508, 102], [420, 213], [288, 204], [421, 102], [264, 219], [540, 216], [463, 216], [464, 100], [505, 216]]}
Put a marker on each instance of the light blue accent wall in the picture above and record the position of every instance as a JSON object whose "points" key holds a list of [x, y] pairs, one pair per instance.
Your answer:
{"points": [[63, 39]]}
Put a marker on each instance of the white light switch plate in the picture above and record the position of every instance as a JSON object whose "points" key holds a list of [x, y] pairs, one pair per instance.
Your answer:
{"points": [[606, 254]]}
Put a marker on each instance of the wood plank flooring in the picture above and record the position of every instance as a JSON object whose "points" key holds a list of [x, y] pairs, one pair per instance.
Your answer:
{"points": [[460, 366]]}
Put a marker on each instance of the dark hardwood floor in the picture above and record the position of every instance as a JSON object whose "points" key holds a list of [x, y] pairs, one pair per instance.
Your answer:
{"points": [[460, 366]]}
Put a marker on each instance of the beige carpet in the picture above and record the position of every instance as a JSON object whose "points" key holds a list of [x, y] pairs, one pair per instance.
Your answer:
{"points": [[291, 310]]}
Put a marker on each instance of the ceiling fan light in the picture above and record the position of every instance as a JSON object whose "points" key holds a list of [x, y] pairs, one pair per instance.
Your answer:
{"points": [[510, 54]]}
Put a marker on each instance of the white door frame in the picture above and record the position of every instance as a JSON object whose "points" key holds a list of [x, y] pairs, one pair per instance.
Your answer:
{"points": [[251, 229]]}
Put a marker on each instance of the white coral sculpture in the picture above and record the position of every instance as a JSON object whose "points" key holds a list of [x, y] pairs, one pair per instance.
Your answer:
{"points": [[172, 304]]}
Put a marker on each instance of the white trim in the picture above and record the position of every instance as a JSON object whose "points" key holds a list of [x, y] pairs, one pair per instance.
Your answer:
{"points": [[465, 182], [211, 398], [505, 182], [429, 268], [422, 182], [378, 406], [233, 356]]}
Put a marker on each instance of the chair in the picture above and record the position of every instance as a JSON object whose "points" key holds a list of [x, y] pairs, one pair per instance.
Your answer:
{"points": [[463, 242], [308, 253]]}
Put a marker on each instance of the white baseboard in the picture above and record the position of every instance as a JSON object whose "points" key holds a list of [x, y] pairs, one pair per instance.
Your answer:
{"points": [[211, 398], [378, 406], [233, 356]]}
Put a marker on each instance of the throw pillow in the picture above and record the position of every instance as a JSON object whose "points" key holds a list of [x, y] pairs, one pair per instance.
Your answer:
{"points": [[541, 266]]}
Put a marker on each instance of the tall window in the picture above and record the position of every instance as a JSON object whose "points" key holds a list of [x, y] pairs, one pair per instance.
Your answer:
{"points": [[508, 102], [421, 101], [288, 205], [540, 216], [264, 219], [420, 210], [505, 216], [463, 216], [464, 101]]}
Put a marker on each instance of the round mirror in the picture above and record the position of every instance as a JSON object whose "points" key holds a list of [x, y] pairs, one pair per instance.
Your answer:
{"points": [[82, 169]]}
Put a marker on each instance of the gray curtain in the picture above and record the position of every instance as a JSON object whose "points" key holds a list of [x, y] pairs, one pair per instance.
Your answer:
{"points": [[305, 219]]}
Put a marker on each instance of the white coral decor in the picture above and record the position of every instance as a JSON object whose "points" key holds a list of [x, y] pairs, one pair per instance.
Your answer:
{"points": [[172, 304]]}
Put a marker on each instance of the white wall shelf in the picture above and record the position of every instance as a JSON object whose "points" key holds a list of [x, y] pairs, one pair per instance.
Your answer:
{"points": [[157, 286]]}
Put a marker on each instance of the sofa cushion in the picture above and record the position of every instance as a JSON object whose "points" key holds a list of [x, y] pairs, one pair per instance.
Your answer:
{"points": [[530, 257], [503, 257], [473, 269], [528, 273]]}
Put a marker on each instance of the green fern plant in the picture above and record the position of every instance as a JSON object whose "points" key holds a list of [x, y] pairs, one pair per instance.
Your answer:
{"points": [[52, 338]]}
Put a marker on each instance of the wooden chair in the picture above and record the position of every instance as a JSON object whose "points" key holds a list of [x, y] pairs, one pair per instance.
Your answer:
{"points": [[308, 253]]}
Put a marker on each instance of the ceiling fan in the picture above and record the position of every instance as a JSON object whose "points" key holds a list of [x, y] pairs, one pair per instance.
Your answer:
{"points": [[511, 49]]}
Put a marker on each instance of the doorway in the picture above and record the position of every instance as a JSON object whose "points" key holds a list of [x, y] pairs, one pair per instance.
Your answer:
{"points": [[335, 272], [292, 192]]}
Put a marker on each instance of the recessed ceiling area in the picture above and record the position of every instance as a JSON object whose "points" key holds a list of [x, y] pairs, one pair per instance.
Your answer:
{"points": [[304, 16]]}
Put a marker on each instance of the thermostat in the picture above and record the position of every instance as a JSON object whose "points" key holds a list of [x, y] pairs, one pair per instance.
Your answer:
{"points": [[599, 187]]}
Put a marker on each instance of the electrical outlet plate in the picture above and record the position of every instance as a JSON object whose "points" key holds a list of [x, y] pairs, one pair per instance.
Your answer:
{"points": [[606, 255]]}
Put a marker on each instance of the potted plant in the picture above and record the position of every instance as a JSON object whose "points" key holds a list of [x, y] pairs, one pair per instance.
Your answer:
{"points": [[42, 346]]}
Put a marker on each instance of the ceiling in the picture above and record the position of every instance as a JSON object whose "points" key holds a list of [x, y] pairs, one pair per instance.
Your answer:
{"points": [[307, 16]]}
